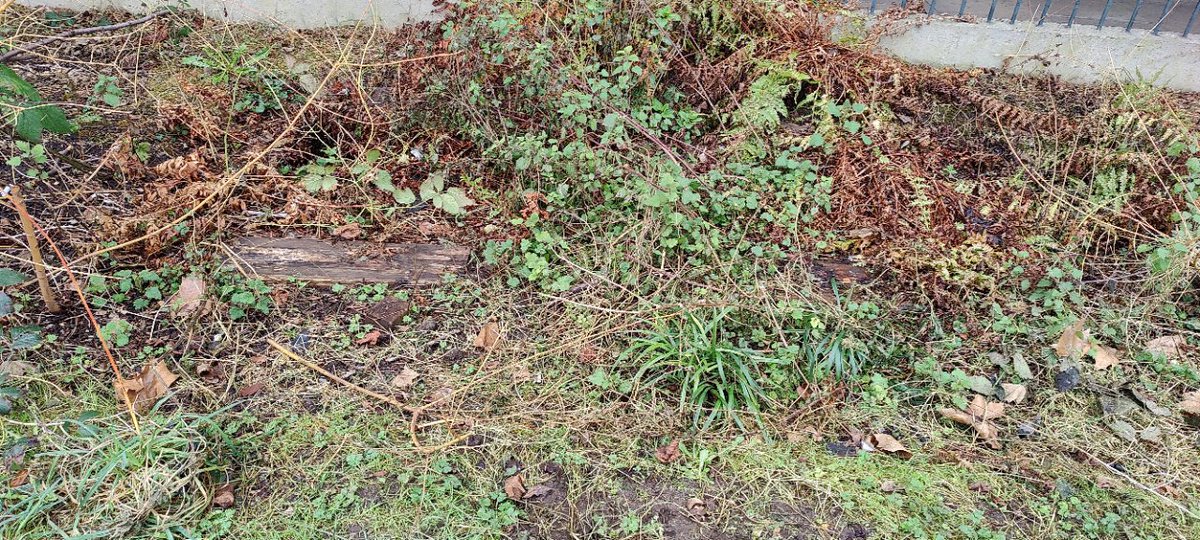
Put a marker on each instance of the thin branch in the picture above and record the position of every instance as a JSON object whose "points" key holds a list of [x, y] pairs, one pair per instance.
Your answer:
{"points": [[19, 51], [35, 253]]}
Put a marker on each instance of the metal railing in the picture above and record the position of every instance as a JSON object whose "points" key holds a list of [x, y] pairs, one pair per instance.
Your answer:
{"points": [[1172, 14]]}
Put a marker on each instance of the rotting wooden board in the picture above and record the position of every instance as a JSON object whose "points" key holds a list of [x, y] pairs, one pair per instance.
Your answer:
{"points": [[318, 261]]}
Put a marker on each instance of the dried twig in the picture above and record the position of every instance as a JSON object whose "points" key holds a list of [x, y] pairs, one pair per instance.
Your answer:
{"points": [[414, 411], [35, 253], [19, 51]]}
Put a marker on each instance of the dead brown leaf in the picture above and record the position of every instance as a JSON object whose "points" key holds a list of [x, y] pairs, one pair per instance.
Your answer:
{"points": [[405, 378], [669, 453], [369, 339], [982, 409], [19, 479], [514, 487], [147, 387], [488, 337], [890, 445], [210, 370], [189, 297], [537, 490], [978, 415], [250, 390], [223, 496], [349, 231], [1105, 482], [521, 373], [1074, 342], [1014, 393], [1105, 356], [696, 507], [1170, 347]]}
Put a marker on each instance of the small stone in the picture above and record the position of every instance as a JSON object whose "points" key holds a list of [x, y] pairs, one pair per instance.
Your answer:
{"points": [[1067, 379]]}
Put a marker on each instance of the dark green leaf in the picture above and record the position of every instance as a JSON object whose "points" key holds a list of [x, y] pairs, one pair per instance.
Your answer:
{"points": [[10, 277], [9, 80], [25, 337], [6, 305], [29, 126]]}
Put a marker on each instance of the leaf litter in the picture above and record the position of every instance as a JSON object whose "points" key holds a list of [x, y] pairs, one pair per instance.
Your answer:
{"points": [[979, 415], [147, 387]]}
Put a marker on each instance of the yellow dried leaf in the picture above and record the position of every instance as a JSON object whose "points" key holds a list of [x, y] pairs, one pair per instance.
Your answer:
{"points": [[957, 416]]}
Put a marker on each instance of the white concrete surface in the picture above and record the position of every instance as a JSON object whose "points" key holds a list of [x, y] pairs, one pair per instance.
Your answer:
{"points": [[293, 13], [1077, 54]]}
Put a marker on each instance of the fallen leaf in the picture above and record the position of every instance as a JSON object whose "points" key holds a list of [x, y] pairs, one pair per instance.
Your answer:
{"points": [[983, 409], [982, 385], [147, 387], [521, 373], [589, 354], [957, 416], [488, 336], [1123, 430], [696, 507], [16, 368], [669, 453], [1105, 356], [538, 490], [405, 378], [370, 338], [1014, 393], [210, 370], [1151, 434], [189, 297], [1074, 342], [1116, 405], [988, 432], [250, 390], [1147, 402], [514, 487], [1167, 346], [19, 479], [890, 445], [223, 496], [349, 231], [888, 486], [1021, 367], [440, 395]]}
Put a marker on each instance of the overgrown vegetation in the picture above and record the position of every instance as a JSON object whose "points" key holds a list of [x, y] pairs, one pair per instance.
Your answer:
{"points": [[732, 277]]}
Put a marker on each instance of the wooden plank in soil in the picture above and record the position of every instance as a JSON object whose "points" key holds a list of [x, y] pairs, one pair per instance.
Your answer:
{"points": [[318, 261]]}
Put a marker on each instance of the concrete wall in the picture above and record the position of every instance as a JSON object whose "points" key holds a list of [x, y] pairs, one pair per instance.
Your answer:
{"points": [[1078, 54], [294, 13]]}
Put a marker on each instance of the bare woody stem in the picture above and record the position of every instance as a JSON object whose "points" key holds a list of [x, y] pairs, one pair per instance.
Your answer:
{"points": [[35, 253]]}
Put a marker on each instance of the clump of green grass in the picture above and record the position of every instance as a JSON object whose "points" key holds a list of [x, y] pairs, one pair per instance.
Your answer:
{"points": [[713, 373]]}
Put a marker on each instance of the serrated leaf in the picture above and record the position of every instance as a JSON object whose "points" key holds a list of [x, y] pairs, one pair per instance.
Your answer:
{"points": [[29, 126], [404, 196], [10, 80], [10, 277], [383, 180]]}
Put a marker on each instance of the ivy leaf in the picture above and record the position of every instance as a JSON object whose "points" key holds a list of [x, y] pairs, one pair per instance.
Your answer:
{"points": [[10, 277]]}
